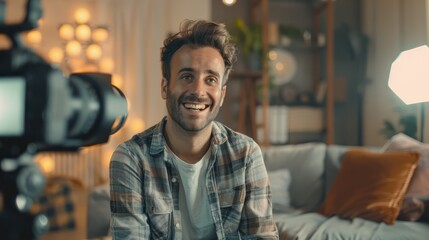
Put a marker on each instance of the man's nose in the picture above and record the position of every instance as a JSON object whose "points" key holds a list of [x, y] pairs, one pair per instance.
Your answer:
{"points": [[198, 86]]}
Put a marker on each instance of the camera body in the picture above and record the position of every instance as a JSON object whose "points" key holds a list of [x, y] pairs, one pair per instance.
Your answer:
{"points": [[43, 110]]}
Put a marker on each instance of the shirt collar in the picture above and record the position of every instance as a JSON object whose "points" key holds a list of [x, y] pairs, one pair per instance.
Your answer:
{"points": [[219, 136]]}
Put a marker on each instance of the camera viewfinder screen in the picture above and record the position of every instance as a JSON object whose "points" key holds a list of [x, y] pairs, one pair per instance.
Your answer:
{"points": [[12, 106]]}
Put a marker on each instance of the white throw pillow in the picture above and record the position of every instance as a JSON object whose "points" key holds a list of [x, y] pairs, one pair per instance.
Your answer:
{"points": [[279, 182], [306, 165], [420, 181]]}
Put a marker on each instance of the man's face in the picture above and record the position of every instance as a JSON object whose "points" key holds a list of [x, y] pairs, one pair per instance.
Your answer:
{"points": [[194, 93]]}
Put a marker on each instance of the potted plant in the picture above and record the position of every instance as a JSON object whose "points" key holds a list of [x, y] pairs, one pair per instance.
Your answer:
{"points": [[249, 40]]}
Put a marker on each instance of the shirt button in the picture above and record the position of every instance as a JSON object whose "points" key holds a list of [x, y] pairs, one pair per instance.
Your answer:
{"points": [[178, 225], [173, 179]]}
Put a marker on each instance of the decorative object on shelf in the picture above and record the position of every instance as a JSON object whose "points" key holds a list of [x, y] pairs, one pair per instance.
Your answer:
{"points": [[288, 35], [283, 65], [249, 40], [289, 93], [82, 48]]}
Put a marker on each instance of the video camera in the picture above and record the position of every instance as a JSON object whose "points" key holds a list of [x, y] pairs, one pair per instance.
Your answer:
{"points": [[43, 110]]}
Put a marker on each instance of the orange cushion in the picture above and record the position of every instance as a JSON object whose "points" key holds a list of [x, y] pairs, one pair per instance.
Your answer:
{"points": [[370, 185]]}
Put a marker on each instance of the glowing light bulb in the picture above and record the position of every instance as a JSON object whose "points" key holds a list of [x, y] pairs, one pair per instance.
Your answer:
{"points": [[73, 48], [82, 15], [46, 163], [94, 52], [100, 34], [229, 2], [83, 32], [106, 65], [34, 37], [66, 31], [56, 54], [272, 55]]}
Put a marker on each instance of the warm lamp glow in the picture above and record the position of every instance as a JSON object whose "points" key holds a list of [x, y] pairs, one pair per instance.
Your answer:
{"points": [[94, 52], [106, 65], [100, 34], [83, 32], [46, 164], [107, 154], [272, 55], [40, 22], [82, 49], [56, 55], [66, 31], [409, 75], [136, 125], [73, 48], [229, 2], [280, 66], [82, 15], [117, 81], [34, 37], [88, 68]]}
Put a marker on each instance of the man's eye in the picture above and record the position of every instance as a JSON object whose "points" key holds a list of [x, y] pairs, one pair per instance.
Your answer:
{"points": [[212, 80], [186, 77]]}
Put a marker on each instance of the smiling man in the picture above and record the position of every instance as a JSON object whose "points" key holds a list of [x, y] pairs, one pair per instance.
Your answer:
{"points": [[190, 177]]}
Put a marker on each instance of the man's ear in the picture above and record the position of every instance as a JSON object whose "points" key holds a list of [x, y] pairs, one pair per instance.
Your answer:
{"points": [[164, 88], [223, 92]]}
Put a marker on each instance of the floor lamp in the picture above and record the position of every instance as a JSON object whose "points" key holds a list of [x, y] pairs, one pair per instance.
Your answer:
{"points": [[409, 79]]}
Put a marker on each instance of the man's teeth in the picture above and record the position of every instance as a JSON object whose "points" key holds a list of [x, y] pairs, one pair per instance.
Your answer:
{"points": [[195, 106]]}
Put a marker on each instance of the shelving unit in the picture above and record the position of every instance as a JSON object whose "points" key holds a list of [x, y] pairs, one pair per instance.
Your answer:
{"points": [[260, 13]]}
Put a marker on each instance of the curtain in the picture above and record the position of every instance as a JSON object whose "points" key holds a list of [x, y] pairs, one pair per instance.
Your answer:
{"points": [[138, 28]]}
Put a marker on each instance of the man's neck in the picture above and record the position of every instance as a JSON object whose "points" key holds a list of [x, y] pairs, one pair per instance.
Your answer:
{"points": [[190, 146]]}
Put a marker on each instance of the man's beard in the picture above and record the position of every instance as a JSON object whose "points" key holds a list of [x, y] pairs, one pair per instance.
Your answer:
{"points": [[174, 109]]}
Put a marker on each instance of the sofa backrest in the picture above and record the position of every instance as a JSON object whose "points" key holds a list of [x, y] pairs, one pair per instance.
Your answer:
{"points": [[306, 165], [334, 157]]}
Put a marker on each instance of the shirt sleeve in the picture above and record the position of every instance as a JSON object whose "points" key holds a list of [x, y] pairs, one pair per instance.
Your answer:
{"points": [[128, 219], [257, 217]]}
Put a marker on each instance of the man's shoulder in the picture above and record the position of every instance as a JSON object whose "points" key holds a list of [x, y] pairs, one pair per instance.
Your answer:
{"points": [[145, 138], [233, 137]]}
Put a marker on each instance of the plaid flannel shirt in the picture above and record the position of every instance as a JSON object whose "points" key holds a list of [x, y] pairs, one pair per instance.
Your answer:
{"points": [[145, 188]]}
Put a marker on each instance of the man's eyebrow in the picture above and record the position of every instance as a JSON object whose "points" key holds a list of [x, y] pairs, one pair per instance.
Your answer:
{"points": [[188, 69], [213, 72]]}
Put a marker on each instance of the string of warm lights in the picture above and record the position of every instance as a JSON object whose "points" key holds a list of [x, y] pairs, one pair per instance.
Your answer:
{"points": [[82, 45]]}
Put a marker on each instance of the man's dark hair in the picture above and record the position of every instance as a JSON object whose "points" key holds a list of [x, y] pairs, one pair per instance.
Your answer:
{"points": [[199, 33]]}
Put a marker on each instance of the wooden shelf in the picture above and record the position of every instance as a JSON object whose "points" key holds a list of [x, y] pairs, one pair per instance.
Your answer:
{"points": [[260, 12]]}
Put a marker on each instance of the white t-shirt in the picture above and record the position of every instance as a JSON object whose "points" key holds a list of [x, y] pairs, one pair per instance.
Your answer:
{"points": [[197, 221]]}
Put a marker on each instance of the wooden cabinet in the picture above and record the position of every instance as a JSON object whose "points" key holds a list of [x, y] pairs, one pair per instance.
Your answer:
{"points": [[321, 12]]}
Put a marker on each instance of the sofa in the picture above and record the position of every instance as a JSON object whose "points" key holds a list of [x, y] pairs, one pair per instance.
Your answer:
{"points": [[310, 193], [307, 178]]}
